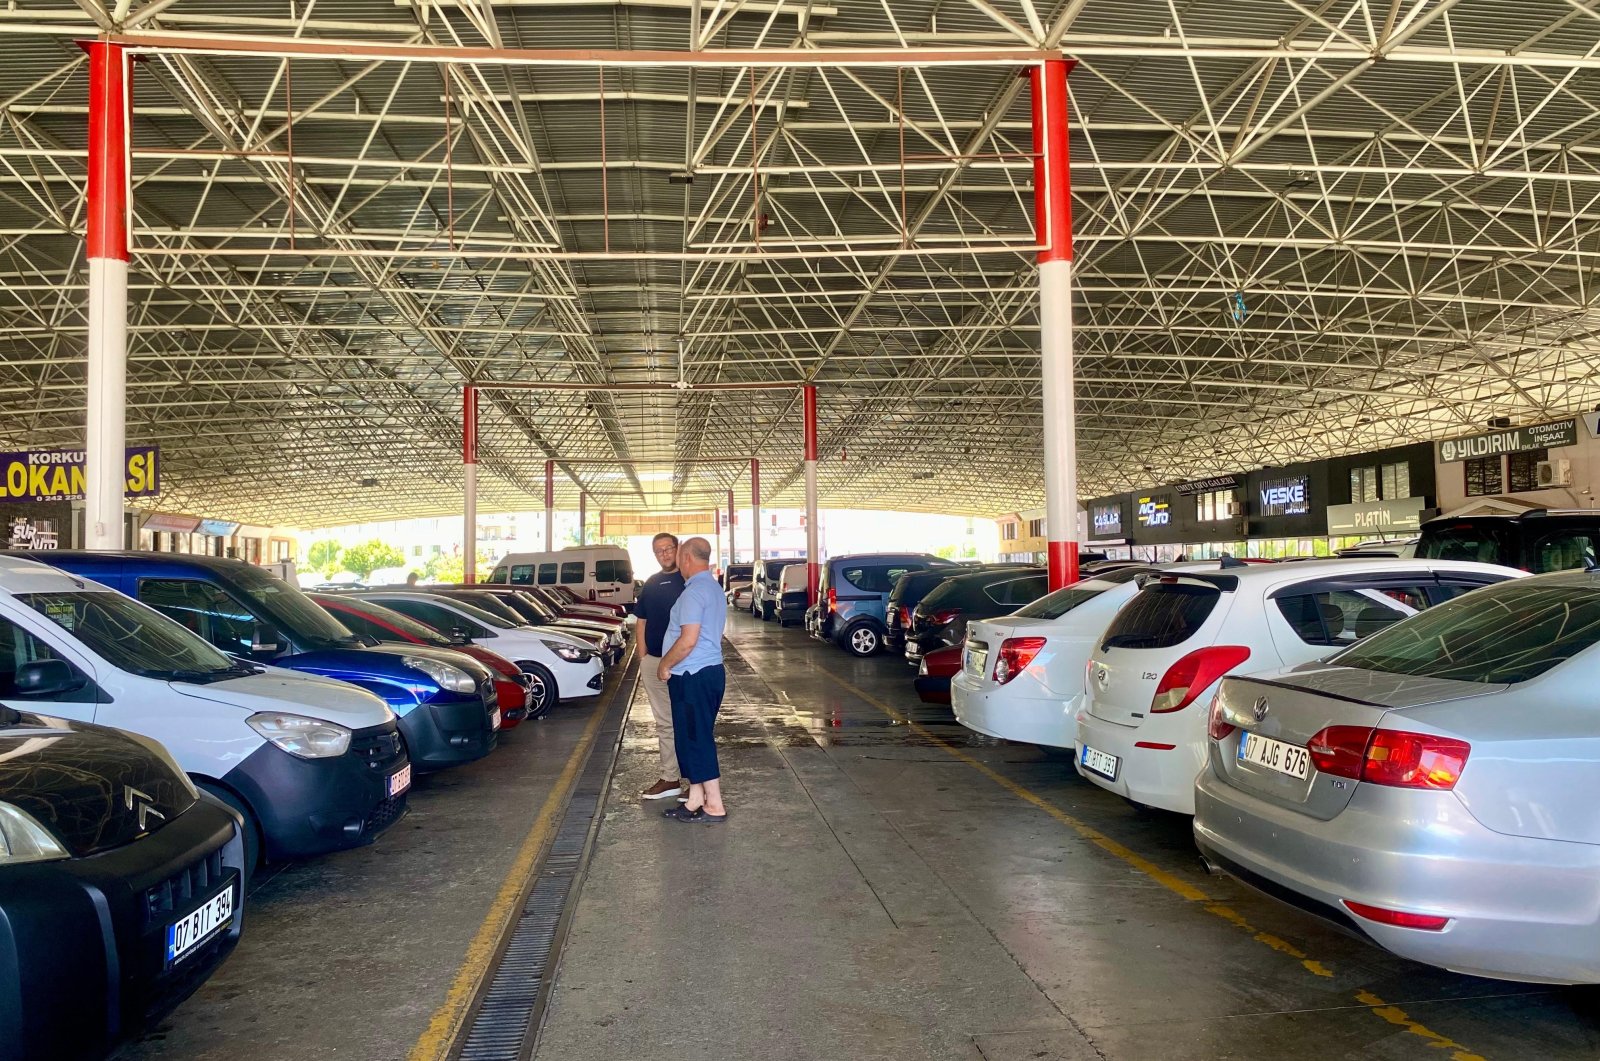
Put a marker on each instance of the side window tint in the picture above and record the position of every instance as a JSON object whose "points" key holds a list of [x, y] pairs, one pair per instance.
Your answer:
{"points": [[1450, 591], [18, 646], [1342, 617], [203, 609], [521, 574], [606, 571], [360, 624], [547, 574], [1562, 550], [572, 572]]}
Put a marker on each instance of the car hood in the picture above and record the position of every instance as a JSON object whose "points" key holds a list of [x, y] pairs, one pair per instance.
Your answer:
{"points": [[479, 671], [1379, 688], [276, 689], [94, 788]]}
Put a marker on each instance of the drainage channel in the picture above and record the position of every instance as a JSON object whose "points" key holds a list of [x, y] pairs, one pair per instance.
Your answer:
{"points": [[504, 1023]]}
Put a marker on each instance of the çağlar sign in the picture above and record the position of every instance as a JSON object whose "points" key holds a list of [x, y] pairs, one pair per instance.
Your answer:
{"points": [[58, 474]]}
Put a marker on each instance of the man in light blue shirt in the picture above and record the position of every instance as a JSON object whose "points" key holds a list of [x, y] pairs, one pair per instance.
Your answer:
{"points": [[691, 665]]}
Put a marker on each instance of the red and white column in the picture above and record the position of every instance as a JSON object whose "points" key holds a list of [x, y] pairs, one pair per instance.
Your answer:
{"points": [[469, 499], [1052, 198], [813, 568], [106, 472], [550, 506], [733, 543], [583, 515], [755, 513]]}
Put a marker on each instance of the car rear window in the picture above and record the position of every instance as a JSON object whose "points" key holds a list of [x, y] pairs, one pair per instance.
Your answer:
{"points": [[1018, 591], [1484, 541], [1162, 615], [1500, 635]]}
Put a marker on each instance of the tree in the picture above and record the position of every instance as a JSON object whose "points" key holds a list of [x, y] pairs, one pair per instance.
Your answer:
{"points": [[323, 553], [366, 558], [447, 568]]}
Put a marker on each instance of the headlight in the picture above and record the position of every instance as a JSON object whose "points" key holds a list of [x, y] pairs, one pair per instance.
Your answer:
{"points": [[23, 839], [570, 653], [447, 677], [309, 738]]}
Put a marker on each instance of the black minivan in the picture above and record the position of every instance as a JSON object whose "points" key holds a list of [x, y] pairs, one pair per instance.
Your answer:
{"points": [[1539, 540]]}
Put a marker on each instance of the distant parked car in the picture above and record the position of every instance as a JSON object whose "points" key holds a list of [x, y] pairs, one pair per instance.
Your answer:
{"points": [[855, 592], [764, 602], [741, 595], [1140, 734], [735, 573], [1538, 541], [910, 588], [793, 595], [940, 619], [1433, 787], [1402, 549], [593, 572], [934, 675], [121, 886]]}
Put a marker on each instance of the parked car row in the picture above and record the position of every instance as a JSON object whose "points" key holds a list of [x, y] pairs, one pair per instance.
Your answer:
{"points": [[1406, 747], [168, 722]]}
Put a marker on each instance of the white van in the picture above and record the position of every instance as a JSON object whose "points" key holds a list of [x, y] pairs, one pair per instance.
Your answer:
{"points": [[311, 764], [594, 572]]}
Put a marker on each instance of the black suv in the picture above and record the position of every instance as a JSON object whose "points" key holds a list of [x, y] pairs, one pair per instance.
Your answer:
{"points": [[941, 618], [1539, 540]]}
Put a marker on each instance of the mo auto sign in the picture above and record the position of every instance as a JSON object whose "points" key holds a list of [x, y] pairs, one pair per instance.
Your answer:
{"points": [[58, 474]]}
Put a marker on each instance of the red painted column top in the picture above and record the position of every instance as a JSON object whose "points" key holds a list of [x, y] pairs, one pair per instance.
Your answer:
{"points": [[1052, 171], [549, 484], [469, 425], [110, 101], [810, 404]]}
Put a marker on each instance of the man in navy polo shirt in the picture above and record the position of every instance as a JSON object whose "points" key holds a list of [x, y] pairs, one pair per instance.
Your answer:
{"points": [[654, 610]]}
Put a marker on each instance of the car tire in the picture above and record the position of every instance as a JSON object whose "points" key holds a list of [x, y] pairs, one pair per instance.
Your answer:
{"points": [[861, 639], [252, 830], [546, 694]]}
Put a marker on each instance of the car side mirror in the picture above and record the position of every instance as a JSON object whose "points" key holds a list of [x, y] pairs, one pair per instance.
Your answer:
{"points": [[263, 640], [47, 677]]}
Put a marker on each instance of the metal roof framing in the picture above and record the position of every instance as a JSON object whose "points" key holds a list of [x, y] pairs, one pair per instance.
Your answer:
{"points": [[1302, 227]]}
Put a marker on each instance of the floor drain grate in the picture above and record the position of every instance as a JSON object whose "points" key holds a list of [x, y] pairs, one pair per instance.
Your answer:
{"points": [[505, 1021]]}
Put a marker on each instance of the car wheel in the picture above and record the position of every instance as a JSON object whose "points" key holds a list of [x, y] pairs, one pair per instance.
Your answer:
{"points": [[862, 639], [252, 831], [545, 692]]}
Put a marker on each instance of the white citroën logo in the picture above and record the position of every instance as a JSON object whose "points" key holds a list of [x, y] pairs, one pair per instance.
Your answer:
{"points": [[133, 799]]}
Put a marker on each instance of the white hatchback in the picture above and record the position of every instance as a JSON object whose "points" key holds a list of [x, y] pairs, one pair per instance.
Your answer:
{"points": [[1142, 729], [1021, 674]]}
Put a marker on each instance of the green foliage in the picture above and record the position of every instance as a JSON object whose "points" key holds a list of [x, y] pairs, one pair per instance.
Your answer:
{"points": [[368, 557], [448, 569], [324, 553]]}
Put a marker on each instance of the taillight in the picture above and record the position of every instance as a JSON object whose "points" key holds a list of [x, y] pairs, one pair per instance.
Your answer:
{"points": [[1390, 757], [1398, 918], [1191, 675], [833, 599], [905, 617], [1220, 727], [944, 616], [1015, 655]]}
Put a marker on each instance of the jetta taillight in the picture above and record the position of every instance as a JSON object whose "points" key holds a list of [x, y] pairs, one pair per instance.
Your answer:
{"points": [[1193, 674], [1391, 757], [1219, 726], [1016, 653]]}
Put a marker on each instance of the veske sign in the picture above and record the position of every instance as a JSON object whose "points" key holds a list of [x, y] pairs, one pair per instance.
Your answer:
{"points": [[1512, 440], [58, 474]]}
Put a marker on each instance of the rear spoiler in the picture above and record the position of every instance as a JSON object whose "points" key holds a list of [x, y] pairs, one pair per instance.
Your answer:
{"points": [[1223, 583]]}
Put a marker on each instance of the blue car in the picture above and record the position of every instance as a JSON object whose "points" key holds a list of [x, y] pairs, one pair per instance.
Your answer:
{"points": [[854, 593], [447, 707]]}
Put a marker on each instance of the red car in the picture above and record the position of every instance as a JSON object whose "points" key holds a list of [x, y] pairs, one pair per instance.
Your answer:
{"points": [[514, 691], [934, 674]]}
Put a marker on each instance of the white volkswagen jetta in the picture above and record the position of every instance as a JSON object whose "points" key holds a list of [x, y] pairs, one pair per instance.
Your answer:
{"points": [[1142, 729]]}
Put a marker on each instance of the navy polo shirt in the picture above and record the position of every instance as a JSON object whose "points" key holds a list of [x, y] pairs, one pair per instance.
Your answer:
{"points": [[654, 606]]}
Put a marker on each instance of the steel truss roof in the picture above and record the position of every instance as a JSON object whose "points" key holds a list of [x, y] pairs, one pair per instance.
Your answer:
{"points": [[1303, 227]]}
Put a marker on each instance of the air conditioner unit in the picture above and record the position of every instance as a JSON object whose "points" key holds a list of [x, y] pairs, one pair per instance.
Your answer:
{"points": [[1235, 508], [1554, 473]]}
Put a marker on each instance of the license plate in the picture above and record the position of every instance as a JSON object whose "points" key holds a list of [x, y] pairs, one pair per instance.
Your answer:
{"points": [[189, 932], [977, 659], [1099, 762], [494, 720], [400, 780], [1288, 759]]}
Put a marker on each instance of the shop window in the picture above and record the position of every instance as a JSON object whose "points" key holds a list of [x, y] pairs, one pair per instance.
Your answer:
{"points": [[1396, 481], [1363, 485], [1213, 506], [1523, 470], [1036, 528], [1008, 532], [1483, 476]]}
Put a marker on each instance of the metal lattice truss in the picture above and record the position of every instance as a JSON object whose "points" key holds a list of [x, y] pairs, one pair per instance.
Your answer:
{"points": [[1303, 227]]}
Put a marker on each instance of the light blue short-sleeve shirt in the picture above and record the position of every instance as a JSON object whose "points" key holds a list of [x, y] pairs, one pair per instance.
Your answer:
{"points": [[700, 602]]}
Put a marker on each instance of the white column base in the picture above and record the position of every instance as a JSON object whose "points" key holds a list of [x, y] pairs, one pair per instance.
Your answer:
{"points": [[106, 465]]}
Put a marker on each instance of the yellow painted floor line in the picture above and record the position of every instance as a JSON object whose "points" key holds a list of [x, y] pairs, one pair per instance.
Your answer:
{"points": [[1393, 1014], [440, 1035]]}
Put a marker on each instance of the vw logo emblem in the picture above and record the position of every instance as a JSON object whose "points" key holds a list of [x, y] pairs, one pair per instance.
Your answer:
{"points": [[1260, 708]]}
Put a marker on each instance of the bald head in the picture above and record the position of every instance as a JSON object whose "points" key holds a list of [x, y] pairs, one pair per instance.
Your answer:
{"points": [[694, 556]]}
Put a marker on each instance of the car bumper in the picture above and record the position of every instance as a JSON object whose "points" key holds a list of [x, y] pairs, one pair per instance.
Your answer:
{"points": [[792, 615], [309, 807], [1520, 908], [441, 734], [83, 941], [1157, 762], [932, 688], [576, 681], [515, 698], [1000, 711]]}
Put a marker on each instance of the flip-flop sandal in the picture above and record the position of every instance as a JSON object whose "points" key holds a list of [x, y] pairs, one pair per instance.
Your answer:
{"points": [[683, 814], [710, 819]]}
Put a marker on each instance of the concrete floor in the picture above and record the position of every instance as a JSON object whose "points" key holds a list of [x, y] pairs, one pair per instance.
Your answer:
{"points": [[890, 885]]}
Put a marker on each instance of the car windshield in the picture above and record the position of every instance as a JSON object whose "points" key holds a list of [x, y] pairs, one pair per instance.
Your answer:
{"points": [[472, 611], [292, 611], [1055, 605], [1498, 635], [389, 617], [135, 638]]}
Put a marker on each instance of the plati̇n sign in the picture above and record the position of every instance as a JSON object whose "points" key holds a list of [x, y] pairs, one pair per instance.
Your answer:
{"points": [[58, 475]]}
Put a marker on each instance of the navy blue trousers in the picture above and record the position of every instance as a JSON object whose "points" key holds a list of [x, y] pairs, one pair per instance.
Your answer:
{"points": [[696, 699]]}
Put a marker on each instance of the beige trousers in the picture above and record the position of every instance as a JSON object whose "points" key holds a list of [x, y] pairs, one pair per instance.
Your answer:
{"points": [[661, 708]]}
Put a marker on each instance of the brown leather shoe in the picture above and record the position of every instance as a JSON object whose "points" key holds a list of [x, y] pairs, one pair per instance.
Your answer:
{"points": [[661, 790], [683, 790]]}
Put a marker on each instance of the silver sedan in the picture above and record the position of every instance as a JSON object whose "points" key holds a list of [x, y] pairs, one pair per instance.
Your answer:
{"points": [[1432, 788]]}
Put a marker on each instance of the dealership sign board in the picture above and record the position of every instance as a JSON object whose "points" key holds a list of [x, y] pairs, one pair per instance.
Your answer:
{"points": [[58, 474], [1155, 511], [1511, 440], [1377, 517], [1206, 486], [1107, 520], [1285, 497]]}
